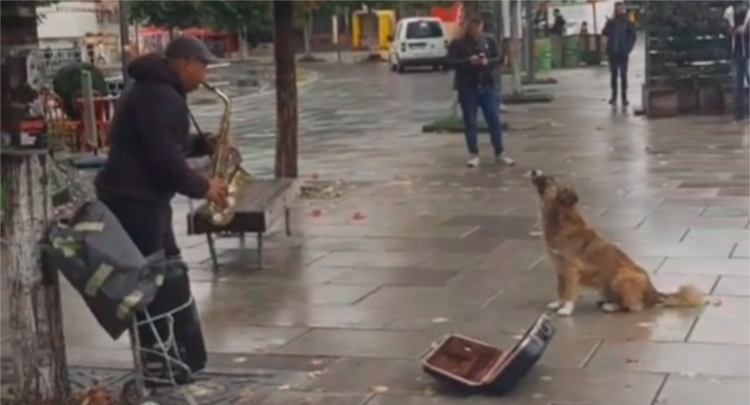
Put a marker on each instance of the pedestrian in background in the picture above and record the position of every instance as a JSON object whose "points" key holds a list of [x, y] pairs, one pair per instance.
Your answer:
{"points": [[621, 37], [738, 21], [475, 56]]}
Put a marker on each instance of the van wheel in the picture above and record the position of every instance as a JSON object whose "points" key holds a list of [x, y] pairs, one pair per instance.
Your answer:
{"points": [[399, 68]]}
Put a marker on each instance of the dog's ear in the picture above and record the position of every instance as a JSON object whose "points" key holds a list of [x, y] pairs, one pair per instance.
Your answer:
{"points": [[568, 197]]}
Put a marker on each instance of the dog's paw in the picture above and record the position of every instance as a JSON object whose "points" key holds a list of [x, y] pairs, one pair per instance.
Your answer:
{"points": [[555, 305], [566, 309], [609, 307]]}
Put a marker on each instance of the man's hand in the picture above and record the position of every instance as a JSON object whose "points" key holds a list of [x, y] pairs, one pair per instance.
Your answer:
{"points": [[475, 59], [483, 60], [218, 191]]}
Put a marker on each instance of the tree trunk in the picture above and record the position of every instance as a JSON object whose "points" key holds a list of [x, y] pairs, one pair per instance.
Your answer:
{"points": [[242, 41], [307, 34], [515, 46], [530, 43], [37, 341], [35, 309], [286, 90], [372, 34]]}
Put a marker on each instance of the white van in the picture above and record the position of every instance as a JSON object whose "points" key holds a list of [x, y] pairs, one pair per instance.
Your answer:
{"points": [[418, 41]]}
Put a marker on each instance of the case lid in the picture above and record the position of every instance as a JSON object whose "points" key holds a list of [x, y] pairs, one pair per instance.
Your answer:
{"points": [[541, 325]]}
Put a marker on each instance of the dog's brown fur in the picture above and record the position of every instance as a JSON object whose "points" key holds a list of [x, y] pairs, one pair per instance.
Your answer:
{"points": [[582, 257]]}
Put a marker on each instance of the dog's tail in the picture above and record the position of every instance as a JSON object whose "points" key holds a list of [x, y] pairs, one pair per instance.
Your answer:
{"points": [[686, 296]]}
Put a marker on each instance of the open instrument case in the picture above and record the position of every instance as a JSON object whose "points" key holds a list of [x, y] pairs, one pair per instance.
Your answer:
{"points": [[473, 366]]}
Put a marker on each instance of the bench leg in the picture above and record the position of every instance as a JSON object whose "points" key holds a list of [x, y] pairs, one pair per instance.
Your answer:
{"points": [[259, 237], [212, 251], [287, 220]]}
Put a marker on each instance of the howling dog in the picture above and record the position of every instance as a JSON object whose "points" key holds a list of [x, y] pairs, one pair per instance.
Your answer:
{"points": [[583, 258]]}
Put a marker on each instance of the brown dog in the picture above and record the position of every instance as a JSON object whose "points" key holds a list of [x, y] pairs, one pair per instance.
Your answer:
{"points": [[582, 257]]}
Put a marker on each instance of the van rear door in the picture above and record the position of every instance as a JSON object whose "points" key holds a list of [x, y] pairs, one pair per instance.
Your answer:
{"points": [[424, 38]]}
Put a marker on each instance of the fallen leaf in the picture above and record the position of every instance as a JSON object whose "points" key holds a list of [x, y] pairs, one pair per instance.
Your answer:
{"points": [[631, 361], [380, 389], [644, 324], [239, 359], [717, 303], [316, 362], [316, 213], [714, 381], [429, 392], [283, 388], [546, 378], [538, 396], [314, 175], [358, 216], [440, 320], [517, 337]]}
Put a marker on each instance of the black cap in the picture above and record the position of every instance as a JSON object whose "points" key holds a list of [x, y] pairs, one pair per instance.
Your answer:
{"points": [[190, 48]]}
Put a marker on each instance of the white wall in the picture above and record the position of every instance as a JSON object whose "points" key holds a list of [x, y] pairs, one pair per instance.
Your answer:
{"points": [[70, 20]]}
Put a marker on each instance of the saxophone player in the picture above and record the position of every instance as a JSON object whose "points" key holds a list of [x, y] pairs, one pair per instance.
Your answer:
{"points": [[146, 167]]}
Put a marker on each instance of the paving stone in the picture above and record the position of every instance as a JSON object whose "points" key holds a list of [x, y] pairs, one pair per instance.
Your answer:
{"points": [[652, 357], [547, 385], [705, 266], [741, 250], [360, 343], [396, 276], [366, 259], [700, 390], [307, 398], [404, 297], [728, 285], [334, 317], [721, 331]]}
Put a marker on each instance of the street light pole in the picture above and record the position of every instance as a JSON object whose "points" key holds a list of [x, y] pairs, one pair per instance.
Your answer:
{"points": [[124, 41]]}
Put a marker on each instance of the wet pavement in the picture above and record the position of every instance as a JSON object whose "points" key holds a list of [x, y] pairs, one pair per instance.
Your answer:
{"points": [[418, 245]]}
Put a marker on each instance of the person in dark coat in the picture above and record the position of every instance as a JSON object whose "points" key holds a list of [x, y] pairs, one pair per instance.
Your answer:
{"points": [[621, 37], [146, 167], [475, 56], [559, 23], [737, 18]]}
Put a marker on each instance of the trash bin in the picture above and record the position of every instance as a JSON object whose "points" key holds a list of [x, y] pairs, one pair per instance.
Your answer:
{"points": [[571, 51], [543, 54]]}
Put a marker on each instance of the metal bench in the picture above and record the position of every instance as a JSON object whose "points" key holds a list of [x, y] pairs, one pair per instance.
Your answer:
{"points": [[259, 205]]}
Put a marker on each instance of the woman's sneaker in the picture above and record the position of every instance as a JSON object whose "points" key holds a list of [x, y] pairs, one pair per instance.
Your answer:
{"points": [[473, 161]]}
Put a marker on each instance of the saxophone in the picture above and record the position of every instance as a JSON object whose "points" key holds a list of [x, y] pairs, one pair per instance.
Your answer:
{"points": [[226, 164]]}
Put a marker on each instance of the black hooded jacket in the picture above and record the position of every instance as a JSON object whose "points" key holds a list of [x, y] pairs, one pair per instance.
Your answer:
{"points": [[149, 139]]}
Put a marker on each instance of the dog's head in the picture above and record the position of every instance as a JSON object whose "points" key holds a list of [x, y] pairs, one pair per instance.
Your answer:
{"points": [[551, 192]]}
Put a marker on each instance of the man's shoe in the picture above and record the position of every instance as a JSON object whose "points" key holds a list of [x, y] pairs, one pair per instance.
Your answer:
{"points": [[473, 161], [625, 102], [612, 101], [504, 160]]}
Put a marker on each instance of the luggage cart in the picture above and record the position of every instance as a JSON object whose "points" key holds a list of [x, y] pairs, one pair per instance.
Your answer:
{"points": [[135, 391]]}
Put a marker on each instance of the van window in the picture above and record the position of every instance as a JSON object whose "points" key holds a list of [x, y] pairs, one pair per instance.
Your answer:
{"points": [[424, 30]]}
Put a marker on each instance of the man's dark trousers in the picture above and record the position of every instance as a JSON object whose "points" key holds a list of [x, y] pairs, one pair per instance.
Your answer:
{"points": [[618, 68], [149, 227], [741, 80], [487, 99]]}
